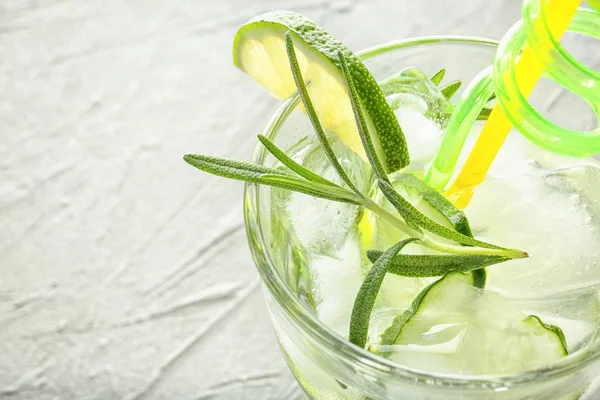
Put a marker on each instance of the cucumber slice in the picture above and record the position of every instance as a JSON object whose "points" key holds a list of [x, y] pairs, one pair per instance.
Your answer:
{"points": [[435, 200], [398, 292], [453, 327], [430, 202], [435, 203]]}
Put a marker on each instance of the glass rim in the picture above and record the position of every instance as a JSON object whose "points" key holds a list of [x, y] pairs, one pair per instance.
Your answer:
{"points": [[323, 334]]}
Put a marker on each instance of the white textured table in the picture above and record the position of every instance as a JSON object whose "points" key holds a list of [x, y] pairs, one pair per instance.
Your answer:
{"points": [[124, 273]]}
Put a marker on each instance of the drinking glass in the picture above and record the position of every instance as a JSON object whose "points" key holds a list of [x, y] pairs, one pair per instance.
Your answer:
{"points": [[326, 365]]}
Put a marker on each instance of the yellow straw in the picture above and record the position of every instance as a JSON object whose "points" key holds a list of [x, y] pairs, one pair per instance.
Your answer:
{"points": [[528, 71]]}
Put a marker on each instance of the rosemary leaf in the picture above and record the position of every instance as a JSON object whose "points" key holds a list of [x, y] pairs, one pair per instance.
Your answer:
{"points": [[232, 169], [365, 299], [293, 165], [247, 172], [426, 265], [409, 212]]}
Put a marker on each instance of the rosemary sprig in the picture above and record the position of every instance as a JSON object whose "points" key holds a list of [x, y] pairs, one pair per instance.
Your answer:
{"points": [[404, 207], [469, 254], [293, 165]]}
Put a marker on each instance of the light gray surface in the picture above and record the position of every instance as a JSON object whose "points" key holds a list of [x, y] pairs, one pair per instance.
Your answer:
{"points": [[124, 273]]}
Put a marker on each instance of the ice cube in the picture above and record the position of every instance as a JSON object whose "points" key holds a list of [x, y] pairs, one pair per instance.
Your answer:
{"points": [[320, 224], [335, 282], [423, 136], [535, 212]]}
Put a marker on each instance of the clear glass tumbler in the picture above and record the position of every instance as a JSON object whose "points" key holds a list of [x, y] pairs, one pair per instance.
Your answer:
{"points": [[326, 365]]}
